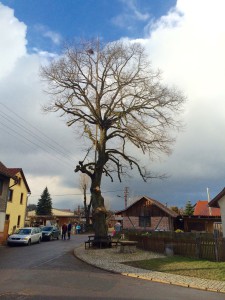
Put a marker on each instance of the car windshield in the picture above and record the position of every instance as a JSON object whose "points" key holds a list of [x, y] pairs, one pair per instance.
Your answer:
{"points": [[24, 231], [47, 228]]}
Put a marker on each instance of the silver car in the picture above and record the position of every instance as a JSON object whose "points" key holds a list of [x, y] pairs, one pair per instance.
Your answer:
{"points": [[25, 236]]}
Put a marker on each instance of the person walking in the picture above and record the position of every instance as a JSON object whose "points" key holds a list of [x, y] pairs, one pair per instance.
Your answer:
{"points": [[64, 230], [69, 228], [118, 227], [78, 228]]}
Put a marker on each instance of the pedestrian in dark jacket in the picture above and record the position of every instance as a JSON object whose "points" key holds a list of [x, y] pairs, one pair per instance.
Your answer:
{"points": [[64, 230], [69, 228]]}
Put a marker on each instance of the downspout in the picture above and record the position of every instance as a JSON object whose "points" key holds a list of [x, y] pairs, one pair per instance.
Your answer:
{"points": [[25, 215]]}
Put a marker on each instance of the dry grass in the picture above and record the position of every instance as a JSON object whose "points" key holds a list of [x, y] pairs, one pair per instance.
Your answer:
{"points": [[184, 266]]}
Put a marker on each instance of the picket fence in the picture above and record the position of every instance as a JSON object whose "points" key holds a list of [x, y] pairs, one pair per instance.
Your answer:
{"points": [[200, 246]]}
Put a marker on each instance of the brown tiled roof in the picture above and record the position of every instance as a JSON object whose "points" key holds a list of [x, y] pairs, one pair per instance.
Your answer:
{"points": [[14, 171], [5, 171], [157, 203], [11, 173], [202, 209]]}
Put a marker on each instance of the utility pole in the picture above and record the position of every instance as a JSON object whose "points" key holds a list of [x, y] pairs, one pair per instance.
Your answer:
{"points": [[126, 192], [125, 196]]}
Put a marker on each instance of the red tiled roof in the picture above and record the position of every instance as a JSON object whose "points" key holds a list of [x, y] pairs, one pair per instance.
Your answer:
{"points": [[202, 209]]}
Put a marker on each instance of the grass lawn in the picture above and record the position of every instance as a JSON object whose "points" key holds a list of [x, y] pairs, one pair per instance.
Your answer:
{"points": [[183, 266]]}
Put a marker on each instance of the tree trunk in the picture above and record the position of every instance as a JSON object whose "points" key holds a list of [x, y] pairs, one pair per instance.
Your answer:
{"points": [[87, 207], [99, 214], [98, 207]]}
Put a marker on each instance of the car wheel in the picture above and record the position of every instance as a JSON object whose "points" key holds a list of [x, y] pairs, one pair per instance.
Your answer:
{"points": [[29, 243]]}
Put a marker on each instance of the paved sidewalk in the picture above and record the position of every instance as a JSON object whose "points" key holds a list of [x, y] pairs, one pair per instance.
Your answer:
{"points": [[111, 260]]}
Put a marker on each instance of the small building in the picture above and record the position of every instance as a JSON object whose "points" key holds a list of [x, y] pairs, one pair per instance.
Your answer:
{"points": [[203, 219], [219, 202], [58, 217], [147, 214]]}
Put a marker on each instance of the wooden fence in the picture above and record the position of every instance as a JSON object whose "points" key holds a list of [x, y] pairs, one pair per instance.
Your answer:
{"points": [[200, 246]]}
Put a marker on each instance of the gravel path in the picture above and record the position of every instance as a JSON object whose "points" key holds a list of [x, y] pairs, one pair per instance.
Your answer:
{"points": [[111, 260]]}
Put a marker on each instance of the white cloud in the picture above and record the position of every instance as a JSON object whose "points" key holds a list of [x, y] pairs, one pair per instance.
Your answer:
{"points": [[61, 195], [40, 144], [13, 40], [137, 14], [130, 15], [55, 37], [188, 44]]}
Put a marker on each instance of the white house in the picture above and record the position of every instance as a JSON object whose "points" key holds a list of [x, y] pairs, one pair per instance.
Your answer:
{"points": [[219, 201]]}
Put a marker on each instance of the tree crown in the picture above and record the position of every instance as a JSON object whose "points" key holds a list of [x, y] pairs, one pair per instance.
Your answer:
{"points": [[112, 94]]}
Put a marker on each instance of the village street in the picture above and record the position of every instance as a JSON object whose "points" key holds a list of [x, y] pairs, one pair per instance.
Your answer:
{"points": [[50, 271]]}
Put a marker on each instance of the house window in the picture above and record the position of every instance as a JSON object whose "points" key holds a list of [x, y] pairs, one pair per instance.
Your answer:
{"points": [[7, 217], [18, 221], [21, 198], [144, 221], [1, 186], [10, 195], [18, 180]]}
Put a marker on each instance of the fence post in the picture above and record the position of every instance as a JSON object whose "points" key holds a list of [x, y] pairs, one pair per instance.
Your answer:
{"points": [[216, 244], [197, 246]]}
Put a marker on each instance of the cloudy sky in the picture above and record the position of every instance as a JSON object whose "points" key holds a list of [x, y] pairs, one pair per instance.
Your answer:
{"points": [[184, 38]]}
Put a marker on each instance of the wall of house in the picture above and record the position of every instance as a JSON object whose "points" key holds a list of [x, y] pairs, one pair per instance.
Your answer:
{"points": [[221, 203], [144, 208], [159, 223], [15, 208], [3, 201]]}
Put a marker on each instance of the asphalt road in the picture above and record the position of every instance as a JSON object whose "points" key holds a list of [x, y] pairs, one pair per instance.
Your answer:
{"points": [[50, 271]]}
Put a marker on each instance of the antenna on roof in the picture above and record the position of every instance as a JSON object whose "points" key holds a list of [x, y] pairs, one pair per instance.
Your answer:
{"points": [[210, 209]]}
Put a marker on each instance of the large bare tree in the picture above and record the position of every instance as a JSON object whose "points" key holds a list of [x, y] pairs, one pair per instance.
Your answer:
{"points": [[118, 102]]}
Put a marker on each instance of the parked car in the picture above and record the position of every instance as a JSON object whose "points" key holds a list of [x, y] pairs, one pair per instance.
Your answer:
{"points": [[50, 232], [25, 236]]}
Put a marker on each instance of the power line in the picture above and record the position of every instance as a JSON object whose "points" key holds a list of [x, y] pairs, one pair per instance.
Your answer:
{"points": [[48, 152], [37, 129], [25, 130], [78, 194]]}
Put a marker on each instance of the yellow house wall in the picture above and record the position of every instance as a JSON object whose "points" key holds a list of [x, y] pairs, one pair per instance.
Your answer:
{"points": [[14, 208]]}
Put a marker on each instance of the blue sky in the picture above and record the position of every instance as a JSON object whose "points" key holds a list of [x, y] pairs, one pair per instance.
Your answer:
{"points": [[49, 22], [183, 38]]}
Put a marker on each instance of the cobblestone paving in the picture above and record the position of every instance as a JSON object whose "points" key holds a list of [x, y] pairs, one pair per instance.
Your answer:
{"points": [[111, 260]]}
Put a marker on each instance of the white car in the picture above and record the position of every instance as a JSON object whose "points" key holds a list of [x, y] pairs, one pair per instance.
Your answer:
{"points": [[25, 236]]}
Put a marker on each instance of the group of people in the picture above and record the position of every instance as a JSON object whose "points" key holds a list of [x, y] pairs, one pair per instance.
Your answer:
{"points": [[66, 230]]}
